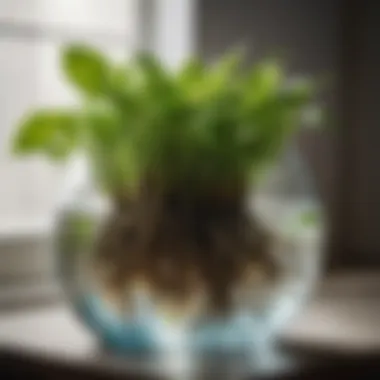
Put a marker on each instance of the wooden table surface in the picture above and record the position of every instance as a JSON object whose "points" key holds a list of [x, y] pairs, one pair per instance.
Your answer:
{"points": [[337, 335]]}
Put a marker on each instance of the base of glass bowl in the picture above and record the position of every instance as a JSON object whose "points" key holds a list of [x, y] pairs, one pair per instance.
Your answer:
{"points": [[144, 333]]}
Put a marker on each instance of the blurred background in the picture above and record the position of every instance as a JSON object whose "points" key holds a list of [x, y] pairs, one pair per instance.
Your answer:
{"points": [[336, 40]]}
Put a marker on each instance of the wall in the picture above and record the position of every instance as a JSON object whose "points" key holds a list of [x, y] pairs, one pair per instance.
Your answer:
{"points": [[304, 32], [360, 195], [339, 38]]}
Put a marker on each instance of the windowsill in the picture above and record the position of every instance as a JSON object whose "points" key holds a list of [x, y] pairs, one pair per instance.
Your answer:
{"points": [[332, 328], [29, 296], [21, 229], [26, 271]]}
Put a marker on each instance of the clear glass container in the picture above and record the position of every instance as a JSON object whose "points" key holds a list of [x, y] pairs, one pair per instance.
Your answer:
{"points": [[284, 202]]}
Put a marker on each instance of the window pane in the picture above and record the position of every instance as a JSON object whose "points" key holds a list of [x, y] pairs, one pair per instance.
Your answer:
{"points": [[30, 77], [114, 16]]}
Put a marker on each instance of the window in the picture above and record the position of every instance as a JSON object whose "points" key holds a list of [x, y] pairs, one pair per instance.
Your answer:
{"points": [[31, 35]]}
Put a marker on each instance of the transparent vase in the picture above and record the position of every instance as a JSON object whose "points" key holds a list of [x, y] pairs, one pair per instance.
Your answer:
{"points": [[284, 202]]}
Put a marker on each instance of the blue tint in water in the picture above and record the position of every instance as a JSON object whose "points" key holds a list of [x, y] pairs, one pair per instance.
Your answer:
{"points": [[144, 333], [239, 333], [138, 334]]}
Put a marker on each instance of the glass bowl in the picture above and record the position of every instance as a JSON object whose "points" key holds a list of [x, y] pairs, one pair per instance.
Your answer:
{"points": [[136, 322]]}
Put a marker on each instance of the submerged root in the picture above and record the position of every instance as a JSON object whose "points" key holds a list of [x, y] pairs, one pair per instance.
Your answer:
{"points": [[184, 251]]}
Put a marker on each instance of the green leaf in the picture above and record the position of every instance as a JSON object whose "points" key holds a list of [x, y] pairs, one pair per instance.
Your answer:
{"points": [[102, 123], [203, 125], [191, 72], [263, 82], [228, 66], [86, 68], [52, 132], [220, 78]]}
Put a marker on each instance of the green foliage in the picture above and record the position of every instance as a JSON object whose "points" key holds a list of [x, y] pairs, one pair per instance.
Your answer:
{"points": [[86, 69], [52, 132], [202, 126]]}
